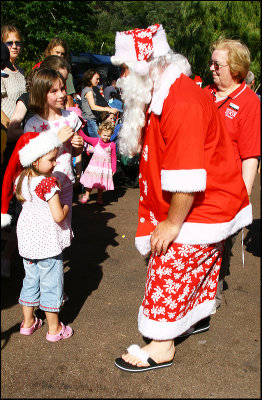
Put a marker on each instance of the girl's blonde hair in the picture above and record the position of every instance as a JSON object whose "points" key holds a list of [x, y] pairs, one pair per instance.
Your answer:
{"points": [[238, 56], [106, 126], [6, 29], [56, 41], [42, 82], [26, 172]]}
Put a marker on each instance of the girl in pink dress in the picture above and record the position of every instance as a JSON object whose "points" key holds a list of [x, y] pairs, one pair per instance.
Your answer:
{"points": [[102, 166]]}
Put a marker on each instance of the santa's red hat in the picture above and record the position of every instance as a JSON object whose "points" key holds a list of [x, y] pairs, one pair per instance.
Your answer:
{"points": [[29, 147], [135, 48]]}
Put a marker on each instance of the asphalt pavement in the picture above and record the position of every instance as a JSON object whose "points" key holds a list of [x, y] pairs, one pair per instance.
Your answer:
{"points": [[104, 279]]}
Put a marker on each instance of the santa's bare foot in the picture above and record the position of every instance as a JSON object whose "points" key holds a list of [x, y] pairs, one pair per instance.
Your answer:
{"points": [[159, 351]]}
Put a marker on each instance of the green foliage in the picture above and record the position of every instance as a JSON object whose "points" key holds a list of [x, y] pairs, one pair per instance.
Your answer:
{"points": [[90, 26]]}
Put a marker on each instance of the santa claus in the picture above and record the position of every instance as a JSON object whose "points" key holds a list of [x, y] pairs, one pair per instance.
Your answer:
{"points": [[192, 196]]}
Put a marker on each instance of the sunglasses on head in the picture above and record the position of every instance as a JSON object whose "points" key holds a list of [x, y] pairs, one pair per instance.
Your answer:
{"points": [[11, 43], [217, 66]]}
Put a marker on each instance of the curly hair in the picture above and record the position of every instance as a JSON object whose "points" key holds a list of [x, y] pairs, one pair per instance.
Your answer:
{"points": [[106, 126]]}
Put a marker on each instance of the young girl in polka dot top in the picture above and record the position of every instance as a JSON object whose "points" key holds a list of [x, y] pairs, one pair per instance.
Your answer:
{"points": [[43, 231], [47, 100]]}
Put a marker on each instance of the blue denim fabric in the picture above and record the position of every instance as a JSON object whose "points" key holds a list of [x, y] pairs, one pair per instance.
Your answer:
{"points": [[92, 128], [43, 283]]}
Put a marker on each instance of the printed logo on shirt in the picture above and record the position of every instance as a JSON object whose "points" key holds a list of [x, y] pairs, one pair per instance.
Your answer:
{"points": [[230, 113]]}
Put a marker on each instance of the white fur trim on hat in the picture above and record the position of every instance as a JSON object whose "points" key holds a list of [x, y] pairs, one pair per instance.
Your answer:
{"points": [[5, 220], [38, 147], [160, 44]]}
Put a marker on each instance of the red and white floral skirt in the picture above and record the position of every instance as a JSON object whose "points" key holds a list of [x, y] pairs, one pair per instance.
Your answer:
{"points": [[180, 289]]}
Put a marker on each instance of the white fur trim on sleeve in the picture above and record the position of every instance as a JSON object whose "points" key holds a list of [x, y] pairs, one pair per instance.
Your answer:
{"points": [[184, 180]]}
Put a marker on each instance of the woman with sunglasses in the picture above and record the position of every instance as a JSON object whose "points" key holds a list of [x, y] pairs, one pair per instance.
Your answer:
{"points": [[14, 85], [239, 108]]}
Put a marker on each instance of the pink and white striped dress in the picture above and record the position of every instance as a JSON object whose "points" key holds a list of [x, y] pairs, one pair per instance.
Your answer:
{"points": [[98, 173]]}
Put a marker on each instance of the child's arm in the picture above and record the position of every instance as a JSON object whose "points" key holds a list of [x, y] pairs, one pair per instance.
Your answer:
{"points": [[92, 140], [48, 190], [113, 156], [58, 211], [77, 144]]}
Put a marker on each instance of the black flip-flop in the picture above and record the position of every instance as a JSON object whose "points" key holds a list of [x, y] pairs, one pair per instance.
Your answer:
{"points": [[135, 350], [200, 327], [125, 366]]}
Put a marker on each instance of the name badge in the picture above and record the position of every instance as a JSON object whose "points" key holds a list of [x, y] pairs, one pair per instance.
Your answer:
{"points": [[234, 106]]}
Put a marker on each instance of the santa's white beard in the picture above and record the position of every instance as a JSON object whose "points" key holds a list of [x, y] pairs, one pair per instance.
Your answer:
{"points": [[136, 94]]}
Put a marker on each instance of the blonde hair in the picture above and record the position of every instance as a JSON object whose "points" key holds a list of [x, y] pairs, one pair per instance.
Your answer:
{"points": [[56, 41], [26, 172], [238, 56], [106, 126], [6, 29]]}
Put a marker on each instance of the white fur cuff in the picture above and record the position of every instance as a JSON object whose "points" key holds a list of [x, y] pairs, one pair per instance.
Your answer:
{"points": [[185, 180]]}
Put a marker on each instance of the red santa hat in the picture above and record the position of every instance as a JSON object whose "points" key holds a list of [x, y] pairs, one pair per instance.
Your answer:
{"points": [[29, 147], [135, 48]]}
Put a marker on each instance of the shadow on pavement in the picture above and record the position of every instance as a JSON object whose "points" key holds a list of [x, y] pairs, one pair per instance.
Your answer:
{"points": [[92, 236], [252, 240]]}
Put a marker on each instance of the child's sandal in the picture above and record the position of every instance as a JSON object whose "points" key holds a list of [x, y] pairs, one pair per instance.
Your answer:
{"points": [[65, 333], [28, 331], [84, 199]]}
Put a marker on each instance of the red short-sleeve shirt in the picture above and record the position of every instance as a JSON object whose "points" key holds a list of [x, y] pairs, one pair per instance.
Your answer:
{"points": [[241, 115]]}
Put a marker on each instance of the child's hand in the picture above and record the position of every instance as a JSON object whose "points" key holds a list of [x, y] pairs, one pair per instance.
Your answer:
{"points": [[77, 141], [65, 133]]}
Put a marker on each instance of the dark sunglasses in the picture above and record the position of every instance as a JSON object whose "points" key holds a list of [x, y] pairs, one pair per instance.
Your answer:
{"points": [[217, 66], [11, 43]]}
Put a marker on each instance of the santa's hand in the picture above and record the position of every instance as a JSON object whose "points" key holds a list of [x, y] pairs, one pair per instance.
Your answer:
{"points": [[77, 141], [164, 234], [65, 133]]}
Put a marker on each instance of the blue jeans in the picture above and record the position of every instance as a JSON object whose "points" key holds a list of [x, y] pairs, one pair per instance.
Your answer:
{"points": [[43, 283], [92, 128]]}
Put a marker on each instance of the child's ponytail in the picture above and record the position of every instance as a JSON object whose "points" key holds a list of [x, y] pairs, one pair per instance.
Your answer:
{"points": [[18, 191]]}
